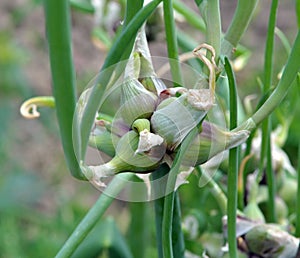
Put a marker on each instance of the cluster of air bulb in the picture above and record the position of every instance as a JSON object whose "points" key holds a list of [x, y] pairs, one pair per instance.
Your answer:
{"points": [[153, 120]]}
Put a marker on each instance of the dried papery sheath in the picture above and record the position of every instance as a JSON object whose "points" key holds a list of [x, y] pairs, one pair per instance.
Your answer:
{"points": [[147, 140], [211, 65], [97, 174], [140, 63], [200, 99]]}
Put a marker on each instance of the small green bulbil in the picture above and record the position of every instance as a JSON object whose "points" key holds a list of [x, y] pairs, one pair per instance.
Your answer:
{"points": [[270, 241]]}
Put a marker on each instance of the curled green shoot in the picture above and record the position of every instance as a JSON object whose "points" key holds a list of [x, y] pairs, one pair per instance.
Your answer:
{"points": [[29, 108]]}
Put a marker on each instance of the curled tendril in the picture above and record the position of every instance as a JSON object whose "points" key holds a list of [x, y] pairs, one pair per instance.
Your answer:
{"points": [[29, 107], [211, 65]]}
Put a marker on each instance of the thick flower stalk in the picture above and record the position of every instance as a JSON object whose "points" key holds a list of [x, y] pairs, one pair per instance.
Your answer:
{"points": [[153, 120]]}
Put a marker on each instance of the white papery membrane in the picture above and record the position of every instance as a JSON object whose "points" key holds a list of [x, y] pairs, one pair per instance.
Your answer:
{"points": [[140, 189]]}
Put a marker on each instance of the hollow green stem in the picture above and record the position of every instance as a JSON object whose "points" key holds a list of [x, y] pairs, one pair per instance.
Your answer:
{"points": [[232, 201], [238, 25], [169, 247], [271, 183], [177, 235], [233, 165], [93, 215], [171, 39], [167, 226], [297, 234], [138, 227], [268, 66], [167, 244], [132, 7], [63, 75], [298, 12], [288, 76], [211, 12], [159, 207], [266, 125], [115, 55]]}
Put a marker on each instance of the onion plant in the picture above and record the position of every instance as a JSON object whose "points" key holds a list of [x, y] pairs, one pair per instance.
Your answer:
{"points": [[165, 131]]}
